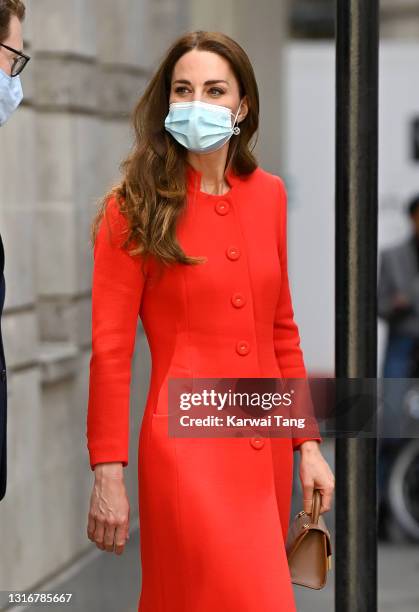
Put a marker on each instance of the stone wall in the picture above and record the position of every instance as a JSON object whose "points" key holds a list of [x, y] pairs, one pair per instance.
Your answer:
{"points": [[60, 152]]}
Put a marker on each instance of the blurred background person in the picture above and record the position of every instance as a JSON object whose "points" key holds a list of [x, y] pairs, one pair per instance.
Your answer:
{"points": [[398, 298], [398, 305], [12, 62]]}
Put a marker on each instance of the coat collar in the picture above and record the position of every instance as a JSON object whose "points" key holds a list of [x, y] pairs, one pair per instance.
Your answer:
{"points": [[194, 177]]}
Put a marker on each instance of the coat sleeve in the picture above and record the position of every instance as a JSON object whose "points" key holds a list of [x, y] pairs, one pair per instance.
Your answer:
{"points": [[117, 286], [286, 334]]}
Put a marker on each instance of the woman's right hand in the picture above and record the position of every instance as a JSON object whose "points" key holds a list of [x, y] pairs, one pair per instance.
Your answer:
{"points": [[108, 520]]}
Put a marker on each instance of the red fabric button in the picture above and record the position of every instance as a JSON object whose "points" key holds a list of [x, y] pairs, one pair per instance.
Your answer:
{"points": [[222, 207], [257, 442], [242, 347], [233, 252], [238, 300]]}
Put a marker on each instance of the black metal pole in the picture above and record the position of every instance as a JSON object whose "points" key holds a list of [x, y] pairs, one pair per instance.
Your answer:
{"points": [[357, 39]]}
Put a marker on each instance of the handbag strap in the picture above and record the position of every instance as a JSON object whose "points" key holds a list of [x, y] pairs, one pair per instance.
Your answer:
{"points": [[315, 507]]}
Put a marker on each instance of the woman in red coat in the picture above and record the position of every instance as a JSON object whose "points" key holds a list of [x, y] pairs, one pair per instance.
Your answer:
{"points": [[193, 241]]}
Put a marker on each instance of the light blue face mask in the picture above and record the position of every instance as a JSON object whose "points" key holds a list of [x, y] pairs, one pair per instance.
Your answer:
{"points": [[11, 95], [199, 126]]}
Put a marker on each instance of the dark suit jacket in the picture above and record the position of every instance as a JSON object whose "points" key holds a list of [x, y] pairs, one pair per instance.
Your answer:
{"points": [[398, 272], [3, 387]]}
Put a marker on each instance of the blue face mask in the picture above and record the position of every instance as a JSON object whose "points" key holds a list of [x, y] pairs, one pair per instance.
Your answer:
{"points": [[199, 126], [11, 95]]}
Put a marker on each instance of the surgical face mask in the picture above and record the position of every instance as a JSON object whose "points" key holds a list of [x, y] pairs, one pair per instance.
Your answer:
{"points": [[199, 126], [11, 95]]}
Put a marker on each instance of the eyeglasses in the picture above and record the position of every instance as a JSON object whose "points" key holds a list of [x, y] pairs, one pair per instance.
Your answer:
{"points": [[19, 62]]}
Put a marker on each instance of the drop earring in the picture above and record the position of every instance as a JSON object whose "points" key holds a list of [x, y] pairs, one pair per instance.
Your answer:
{"points": [[236, 129]]}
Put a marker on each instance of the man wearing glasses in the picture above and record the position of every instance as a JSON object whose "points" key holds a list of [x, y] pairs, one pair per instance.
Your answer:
{"points": [[12, 62]]}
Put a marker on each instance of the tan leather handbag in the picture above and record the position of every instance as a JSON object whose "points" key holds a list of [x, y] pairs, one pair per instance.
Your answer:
{"points": [[309, 549]]}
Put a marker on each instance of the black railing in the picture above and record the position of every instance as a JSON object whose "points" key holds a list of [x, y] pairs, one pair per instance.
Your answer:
{"points": [[357, 37]]}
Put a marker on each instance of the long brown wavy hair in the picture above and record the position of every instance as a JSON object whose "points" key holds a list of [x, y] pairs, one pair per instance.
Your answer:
{"points": [[152, 192]]}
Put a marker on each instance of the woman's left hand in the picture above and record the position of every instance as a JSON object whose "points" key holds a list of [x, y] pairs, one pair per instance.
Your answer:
{"points": [[315, 473]]}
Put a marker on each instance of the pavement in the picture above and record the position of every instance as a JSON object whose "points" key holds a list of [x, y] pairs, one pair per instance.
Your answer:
{"points": [[104, 582]]}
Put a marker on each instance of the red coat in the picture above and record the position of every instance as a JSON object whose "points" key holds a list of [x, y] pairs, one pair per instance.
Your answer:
{"points": [[214, 512]]}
